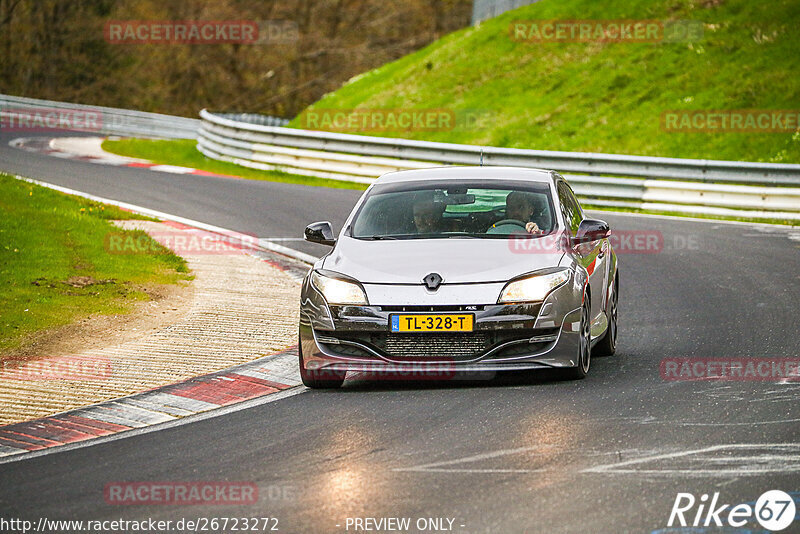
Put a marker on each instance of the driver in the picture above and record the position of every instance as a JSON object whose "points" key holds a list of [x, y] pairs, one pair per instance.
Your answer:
{"points": [[521, 207], [428, 216]]}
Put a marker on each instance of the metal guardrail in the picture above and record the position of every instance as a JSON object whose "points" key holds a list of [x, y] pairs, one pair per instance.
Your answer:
{"points": [[487, 9], [255, 118], [107, 121], [702, 187]]}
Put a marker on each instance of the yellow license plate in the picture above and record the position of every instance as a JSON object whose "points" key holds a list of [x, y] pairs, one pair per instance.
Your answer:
{"points": [[432, 323]]}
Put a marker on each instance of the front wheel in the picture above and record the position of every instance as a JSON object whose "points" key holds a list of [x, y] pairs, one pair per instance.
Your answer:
{"points": [[608, 345], [585, 346], [318, 378]]}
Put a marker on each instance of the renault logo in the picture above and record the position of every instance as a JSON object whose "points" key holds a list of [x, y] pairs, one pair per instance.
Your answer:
{"points": [[433, 281]]}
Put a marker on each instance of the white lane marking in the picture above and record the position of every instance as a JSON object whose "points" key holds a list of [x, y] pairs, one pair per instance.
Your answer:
{"points": [[681, 423], [90, 147], [730, 459], [773, 461], [266, 245], [161, 426], [438, 467], [62, 155], [463, 470], [174, 169], [110, 162]]}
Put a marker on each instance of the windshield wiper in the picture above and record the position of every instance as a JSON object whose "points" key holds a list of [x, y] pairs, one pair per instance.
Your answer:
{"points": [[422, 236], [463, 234], [380, 237]]}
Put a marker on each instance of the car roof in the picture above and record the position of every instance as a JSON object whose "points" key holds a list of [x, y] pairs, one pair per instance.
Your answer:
{"points": [[455, 172]]}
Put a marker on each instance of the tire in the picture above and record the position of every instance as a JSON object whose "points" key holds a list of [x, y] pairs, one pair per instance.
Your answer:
{"points": [[580, 371], [607, 346], [318, 379]]}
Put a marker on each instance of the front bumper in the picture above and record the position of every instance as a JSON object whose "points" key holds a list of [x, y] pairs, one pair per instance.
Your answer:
{"points": [[505, 337]]}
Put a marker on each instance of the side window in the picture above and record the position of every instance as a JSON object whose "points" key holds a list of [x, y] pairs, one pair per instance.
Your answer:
{"points": [[569, 207]]}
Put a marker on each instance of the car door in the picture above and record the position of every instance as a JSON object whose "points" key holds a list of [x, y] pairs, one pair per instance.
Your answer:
{"points": [[591, 255]]}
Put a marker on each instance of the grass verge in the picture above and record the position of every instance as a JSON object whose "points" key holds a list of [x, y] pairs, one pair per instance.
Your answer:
{"points": [[182, 152], [605, 97], [54, 266]]}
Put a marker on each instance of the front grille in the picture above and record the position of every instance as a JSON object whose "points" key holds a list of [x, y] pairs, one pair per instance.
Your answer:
{"points": [[456, 345], [424, 346]]}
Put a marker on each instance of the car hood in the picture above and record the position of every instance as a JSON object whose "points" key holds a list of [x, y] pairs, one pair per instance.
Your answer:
{"points": [[457, 260]]}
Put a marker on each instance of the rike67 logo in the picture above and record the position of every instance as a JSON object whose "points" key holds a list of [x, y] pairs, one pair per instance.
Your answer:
{"points": [[774, 510]]}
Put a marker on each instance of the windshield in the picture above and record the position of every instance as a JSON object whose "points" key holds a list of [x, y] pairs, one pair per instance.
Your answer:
{"points": [[431, 211]]}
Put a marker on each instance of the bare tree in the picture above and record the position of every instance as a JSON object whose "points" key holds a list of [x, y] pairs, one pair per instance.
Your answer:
{"points": [[56, 49]]}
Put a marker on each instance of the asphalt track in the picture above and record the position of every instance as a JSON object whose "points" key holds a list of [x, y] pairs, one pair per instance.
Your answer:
{"points": [[528, 453]]}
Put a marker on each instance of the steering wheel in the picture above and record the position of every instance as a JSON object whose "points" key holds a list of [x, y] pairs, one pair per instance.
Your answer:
{"points": [[514, 222]]}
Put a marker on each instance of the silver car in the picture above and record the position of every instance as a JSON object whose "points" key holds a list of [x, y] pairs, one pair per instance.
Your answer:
{"points": [[444, 271]]}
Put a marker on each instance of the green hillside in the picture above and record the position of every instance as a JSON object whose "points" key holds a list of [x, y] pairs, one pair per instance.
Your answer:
{"points": [[600, 96]]}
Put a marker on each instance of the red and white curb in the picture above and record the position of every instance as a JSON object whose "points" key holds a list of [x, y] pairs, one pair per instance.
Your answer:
{"points": [[266, 376], [89, 149]]}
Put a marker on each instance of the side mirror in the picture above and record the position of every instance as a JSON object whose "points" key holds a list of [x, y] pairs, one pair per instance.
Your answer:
{"points": [[591, 230], [320, 232]]}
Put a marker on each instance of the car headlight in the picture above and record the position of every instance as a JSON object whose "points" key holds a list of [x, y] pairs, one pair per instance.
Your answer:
{"points": [[533, 288], [338, 291]]}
